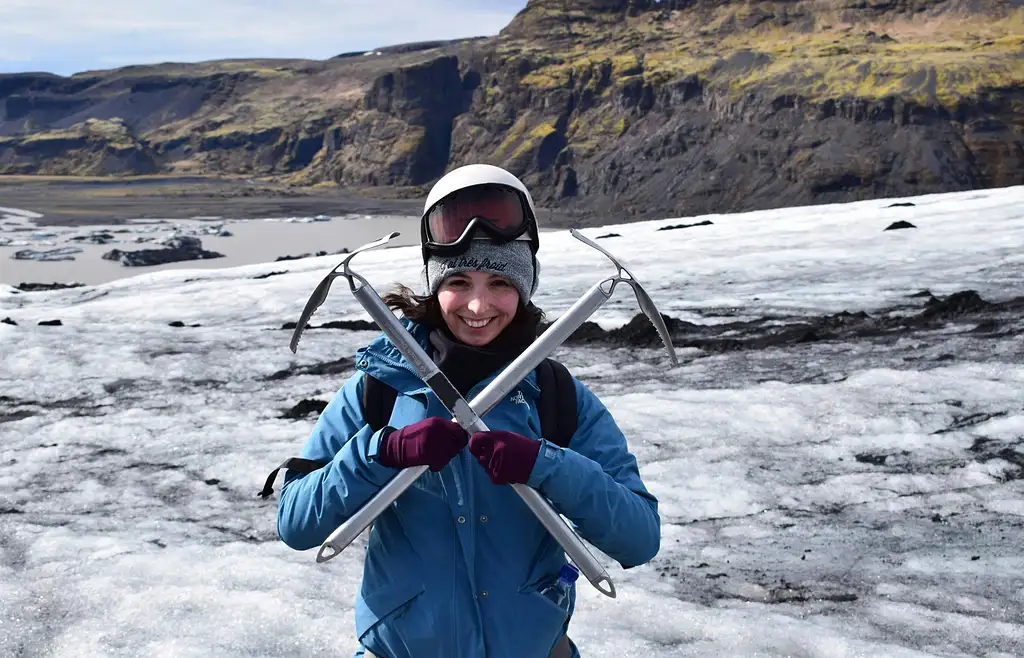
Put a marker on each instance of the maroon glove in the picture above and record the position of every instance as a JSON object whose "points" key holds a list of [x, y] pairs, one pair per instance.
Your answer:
{"points": [[507, 457], [431, 442]]}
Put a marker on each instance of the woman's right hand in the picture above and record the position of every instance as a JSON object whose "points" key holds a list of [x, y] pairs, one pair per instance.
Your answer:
{"points": [[431, 442]]}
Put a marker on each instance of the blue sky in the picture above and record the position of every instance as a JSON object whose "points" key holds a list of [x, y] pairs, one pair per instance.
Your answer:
{"points": [[66, 36]]}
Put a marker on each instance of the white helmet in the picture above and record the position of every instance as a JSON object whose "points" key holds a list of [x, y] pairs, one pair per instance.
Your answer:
{"points": [[477, 175]]}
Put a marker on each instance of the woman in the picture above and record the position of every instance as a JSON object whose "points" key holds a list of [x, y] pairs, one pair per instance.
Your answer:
{"points": [[456, 567]]}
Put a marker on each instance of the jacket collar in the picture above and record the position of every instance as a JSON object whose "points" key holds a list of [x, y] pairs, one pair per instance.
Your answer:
{"points": [[382, 360]]}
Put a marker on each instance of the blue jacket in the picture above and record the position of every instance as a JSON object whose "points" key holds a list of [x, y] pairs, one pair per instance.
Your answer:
{"points": [[454, 568]]}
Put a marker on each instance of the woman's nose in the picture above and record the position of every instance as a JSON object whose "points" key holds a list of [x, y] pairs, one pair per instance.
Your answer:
{"points": [[477, 304]]}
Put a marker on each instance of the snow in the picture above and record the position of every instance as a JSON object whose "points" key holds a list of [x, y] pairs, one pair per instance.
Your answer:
{"points": [[131, 451]]}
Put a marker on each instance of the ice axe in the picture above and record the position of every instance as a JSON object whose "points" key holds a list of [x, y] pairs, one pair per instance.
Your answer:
{"points": [[468, 415]]}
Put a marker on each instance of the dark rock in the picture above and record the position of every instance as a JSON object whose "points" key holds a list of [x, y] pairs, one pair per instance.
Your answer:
{"points": [[679, 226], [981, 444], [845, 319], [299, 257], [179, 248], [328, 368], [904, 204], [176, 323], [868, 458], [93, 238], [965, 307], [952, 307], [304, 408], [898, 225], [50, 323], [609, 235], [36, 287], [987, 327], [352, 325], [118, 385], [268, 274], [587, 331], [9, 321], [17, 414]]}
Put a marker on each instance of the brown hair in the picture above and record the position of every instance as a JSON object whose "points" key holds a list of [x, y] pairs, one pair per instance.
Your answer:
{"points": [[425, 309]]}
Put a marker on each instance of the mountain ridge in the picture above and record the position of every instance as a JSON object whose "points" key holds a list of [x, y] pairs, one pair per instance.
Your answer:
{"points": [[629, 108]]}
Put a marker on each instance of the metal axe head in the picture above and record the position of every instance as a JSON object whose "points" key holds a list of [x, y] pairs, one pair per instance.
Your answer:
{"points": [[643, 299], [319, 295]]}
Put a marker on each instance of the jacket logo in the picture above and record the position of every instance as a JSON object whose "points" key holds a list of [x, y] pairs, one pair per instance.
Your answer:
{"points": [[519, 398]]}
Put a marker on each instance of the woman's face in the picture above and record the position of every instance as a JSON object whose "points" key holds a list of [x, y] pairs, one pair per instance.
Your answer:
{"points": [[477, 306]]}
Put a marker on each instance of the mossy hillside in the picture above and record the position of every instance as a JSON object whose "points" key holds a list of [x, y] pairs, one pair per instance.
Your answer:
{"points": [[254, 97], [110, 132], [672, 98], [951, 62]]}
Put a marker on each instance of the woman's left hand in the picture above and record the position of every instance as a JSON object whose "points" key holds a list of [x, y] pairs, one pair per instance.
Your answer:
{"points": [[507, 457]]}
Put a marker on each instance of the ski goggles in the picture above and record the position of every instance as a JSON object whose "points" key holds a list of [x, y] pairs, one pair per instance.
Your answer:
{"points": [[450, 225]]}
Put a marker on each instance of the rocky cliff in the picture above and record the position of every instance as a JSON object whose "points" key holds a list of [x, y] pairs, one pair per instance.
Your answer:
{"points": [[623, 108]]}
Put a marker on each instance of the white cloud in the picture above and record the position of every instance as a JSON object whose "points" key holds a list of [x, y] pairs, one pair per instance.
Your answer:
{"points": [[117, 32]]}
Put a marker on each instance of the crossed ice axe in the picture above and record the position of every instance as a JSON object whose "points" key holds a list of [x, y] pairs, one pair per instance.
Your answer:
{"points": [[466, 414]]}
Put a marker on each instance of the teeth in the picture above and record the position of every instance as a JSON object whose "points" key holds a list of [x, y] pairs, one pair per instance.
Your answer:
{"points": [[476, 324]]}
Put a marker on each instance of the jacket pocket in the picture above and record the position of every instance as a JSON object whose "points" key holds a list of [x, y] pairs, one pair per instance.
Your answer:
{"points": [[383, 623], [538, 624]]}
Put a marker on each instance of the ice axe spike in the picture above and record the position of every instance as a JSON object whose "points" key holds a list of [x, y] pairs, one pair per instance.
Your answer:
{"points": [[642, 298], [319, 295]]}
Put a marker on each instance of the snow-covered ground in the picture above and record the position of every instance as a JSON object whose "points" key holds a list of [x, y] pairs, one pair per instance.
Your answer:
{"points": [[834, 498]]}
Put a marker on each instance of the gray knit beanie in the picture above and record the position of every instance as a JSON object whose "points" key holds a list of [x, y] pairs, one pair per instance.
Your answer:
{"points": [[512, 260]]}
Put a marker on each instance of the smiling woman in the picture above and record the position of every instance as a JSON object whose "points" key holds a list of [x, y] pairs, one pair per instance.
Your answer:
{"points": [[458, 566]]}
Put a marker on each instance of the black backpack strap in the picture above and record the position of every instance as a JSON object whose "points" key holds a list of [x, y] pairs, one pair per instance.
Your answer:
{"points": [[297, 464], [557, 403], [378, 402]]}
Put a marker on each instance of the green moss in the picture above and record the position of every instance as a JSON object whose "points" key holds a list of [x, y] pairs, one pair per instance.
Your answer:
{"points": [[552, 76], [623, 65], [525, 134], [543, 130], [534, 138], [944, 76], [512, 136]]}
